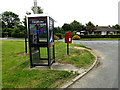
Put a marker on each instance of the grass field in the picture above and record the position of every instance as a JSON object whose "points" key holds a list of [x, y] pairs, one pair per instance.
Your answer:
{"points": [[14, 62]]}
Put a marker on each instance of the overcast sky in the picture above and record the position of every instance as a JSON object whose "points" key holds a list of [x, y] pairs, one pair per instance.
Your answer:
{"points": [[100, 12]]}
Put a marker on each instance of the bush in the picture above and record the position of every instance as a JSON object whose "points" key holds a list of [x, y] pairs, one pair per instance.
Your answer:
{"points": [[111, 33], [4, 34], [14, 34], [73, 33], [60, 35], [17, 33], [56, 37], [76, 37], [7, 32], [21, 34]]}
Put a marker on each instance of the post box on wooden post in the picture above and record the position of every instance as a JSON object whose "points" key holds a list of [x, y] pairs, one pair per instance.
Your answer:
{"points": [[68, 39]]}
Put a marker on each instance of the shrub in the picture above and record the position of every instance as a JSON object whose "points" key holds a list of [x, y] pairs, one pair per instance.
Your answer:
{"points": [[4, 34], [60, 35], [111, 33], [8, 31], [56, 37], [17, 33], [118, 33], [73, 33], [21, 34], [76, 37], [14, 34]]}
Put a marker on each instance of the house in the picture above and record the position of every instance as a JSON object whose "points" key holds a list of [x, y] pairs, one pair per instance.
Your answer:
{"points": [[100, 30], [104, 30]]}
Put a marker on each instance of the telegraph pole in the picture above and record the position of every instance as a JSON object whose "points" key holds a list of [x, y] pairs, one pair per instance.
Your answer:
{"points": [[35, 7]]}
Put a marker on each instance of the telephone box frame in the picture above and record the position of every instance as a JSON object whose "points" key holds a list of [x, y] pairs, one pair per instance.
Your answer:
{"points": [[42, 44]]}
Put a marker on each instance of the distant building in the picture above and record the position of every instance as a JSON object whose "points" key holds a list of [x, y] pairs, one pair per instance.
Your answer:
{"points": [[101, 30], [104, 30]]}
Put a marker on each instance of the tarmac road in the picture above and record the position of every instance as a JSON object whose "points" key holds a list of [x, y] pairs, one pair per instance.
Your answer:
{"points": [[106, 74]]}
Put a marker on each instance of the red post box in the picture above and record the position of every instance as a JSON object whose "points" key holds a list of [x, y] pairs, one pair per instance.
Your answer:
{"points": [[68, 37]]}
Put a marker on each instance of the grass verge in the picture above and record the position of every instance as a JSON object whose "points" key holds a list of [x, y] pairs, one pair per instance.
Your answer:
{"points": [[80, 58], [14, 62]]}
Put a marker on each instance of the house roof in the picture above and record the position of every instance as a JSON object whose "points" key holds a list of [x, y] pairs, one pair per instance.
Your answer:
{"points": [[105, 28]]}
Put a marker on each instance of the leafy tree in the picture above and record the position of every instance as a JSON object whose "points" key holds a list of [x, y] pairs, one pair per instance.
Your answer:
{"points": [[66, 27], [90, 24], [10, 19], [28, 13], [58, 30], [116, 26], [40, 11], [90, 27], [3, 25], [25, 22], [76, 26]]}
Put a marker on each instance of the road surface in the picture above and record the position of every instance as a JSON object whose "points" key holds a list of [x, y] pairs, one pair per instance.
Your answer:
{"points": [[106, 74]]}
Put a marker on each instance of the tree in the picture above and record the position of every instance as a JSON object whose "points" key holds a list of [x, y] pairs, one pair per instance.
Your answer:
{"points": [[116, 26], [25, 22], [40, 11], [90, 24], [3, 25], [76, 26], [10, 19], [90, 27], [58, 30], [66, 27]]}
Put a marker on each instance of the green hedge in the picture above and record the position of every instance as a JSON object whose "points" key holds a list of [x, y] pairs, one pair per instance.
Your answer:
{"points": [[12, 32], [60, 35], [20, 34], [4, 34], [99, 36]]}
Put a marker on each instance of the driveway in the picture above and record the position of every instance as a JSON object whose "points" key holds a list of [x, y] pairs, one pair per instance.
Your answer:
{"points": [[106, 74]]}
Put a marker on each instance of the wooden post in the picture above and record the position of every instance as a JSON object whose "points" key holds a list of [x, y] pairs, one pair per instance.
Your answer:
{"points": [[25, 42]]}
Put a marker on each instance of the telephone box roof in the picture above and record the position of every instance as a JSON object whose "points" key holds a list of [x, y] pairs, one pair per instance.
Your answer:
{"points": [[39, 15]]}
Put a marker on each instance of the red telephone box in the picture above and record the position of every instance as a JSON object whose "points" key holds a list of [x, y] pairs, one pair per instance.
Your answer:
{"points": [[68, 37]]}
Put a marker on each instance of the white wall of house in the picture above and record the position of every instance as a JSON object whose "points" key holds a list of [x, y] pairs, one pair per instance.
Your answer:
{"points": [[78, 33], [103, 33], [92, 33], [82, 34]]}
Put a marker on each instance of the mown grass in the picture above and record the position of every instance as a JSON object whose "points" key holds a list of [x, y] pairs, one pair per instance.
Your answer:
{"points": [[14, 74], [80, 58]]}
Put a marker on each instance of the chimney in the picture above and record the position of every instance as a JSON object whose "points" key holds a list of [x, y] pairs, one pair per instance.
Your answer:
{"points": [[96, 25], [109, 26]]}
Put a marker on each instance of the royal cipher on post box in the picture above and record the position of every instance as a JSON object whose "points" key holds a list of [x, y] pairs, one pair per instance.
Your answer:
{"points": [[68, 37]]}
